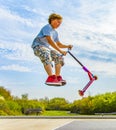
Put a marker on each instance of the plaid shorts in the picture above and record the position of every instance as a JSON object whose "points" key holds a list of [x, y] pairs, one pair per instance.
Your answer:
{"points": [[47, 56]]}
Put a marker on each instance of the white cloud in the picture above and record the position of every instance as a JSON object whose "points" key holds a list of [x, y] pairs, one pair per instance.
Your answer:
{"points": [[89, 25], [93, 20], [17, 51], [15, 67], [9, 16], [96, 66]]}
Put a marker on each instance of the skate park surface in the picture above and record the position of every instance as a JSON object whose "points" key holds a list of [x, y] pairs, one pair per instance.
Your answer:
{"points": [[57, 123]]}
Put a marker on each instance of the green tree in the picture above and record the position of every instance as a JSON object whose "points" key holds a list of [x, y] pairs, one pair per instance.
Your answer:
{"points": [[14, 107], [58, 104], [24, 96], [5, 93]]}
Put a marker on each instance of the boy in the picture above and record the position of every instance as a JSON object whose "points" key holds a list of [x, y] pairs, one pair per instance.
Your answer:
{"points": [[48, 37]]}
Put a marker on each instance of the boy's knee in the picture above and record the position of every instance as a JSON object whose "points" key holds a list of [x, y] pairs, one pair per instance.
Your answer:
{"points": [[61, 60], [62, 63], [57, 58]]}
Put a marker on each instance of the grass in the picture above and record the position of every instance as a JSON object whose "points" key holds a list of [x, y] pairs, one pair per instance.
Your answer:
{"points": [[58, 113]]}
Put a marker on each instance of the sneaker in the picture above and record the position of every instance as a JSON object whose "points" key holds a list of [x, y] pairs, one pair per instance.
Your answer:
{"points": [[52, 81], [59, 78]]}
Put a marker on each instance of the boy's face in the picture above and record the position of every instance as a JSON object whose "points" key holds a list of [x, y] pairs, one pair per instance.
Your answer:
{"points": [[56, 23]]}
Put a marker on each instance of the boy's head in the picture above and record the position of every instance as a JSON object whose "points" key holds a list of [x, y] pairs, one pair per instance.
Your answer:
{"points": [[55, 20], [54, 16]]}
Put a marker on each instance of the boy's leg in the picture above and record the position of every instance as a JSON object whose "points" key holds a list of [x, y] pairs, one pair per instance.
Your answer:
{"points": [[58, 69], [59, 62], [57, 72], [52, 79], [48, 69], [45, 57]]}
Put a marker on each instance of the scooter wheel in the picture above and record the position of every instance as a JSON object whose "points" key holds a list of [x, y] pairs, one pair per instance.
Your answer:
{"points": [[81, 93], [95, 77]]}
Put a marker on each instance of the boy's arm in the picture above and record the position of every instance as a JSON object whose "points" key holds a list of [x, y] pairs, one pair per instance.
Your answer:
{"points": [[60, 45], [55, 46]]}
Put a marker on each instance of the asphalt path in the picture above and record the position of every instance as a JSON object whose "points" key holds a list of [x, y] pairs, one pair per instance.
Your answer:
{"points": [[90, 124]]}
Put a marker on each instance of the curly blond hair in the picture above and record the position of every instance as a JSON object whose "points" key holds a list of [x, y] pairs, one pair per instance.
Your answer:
{"points": [[54, 16]]}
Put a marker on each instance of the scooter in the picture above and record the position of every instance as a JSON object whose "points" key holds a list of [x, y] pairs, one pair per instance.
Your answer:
{"points": [[91, 76]]}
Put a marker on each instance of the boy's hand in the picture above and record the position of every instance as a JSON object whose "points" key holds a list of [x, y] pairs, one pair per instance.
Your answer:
{"points": [[70, 47], [63, 53]]}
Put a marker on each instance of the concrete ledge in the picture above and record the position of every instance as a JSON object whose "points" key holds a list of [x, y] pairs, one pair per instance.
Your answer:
{"points": [[59, 117]]}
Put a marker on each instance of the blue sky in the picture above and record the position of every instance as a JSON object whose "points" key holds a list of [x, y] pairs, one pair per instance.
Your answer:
{"points": [[90, 26]]}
